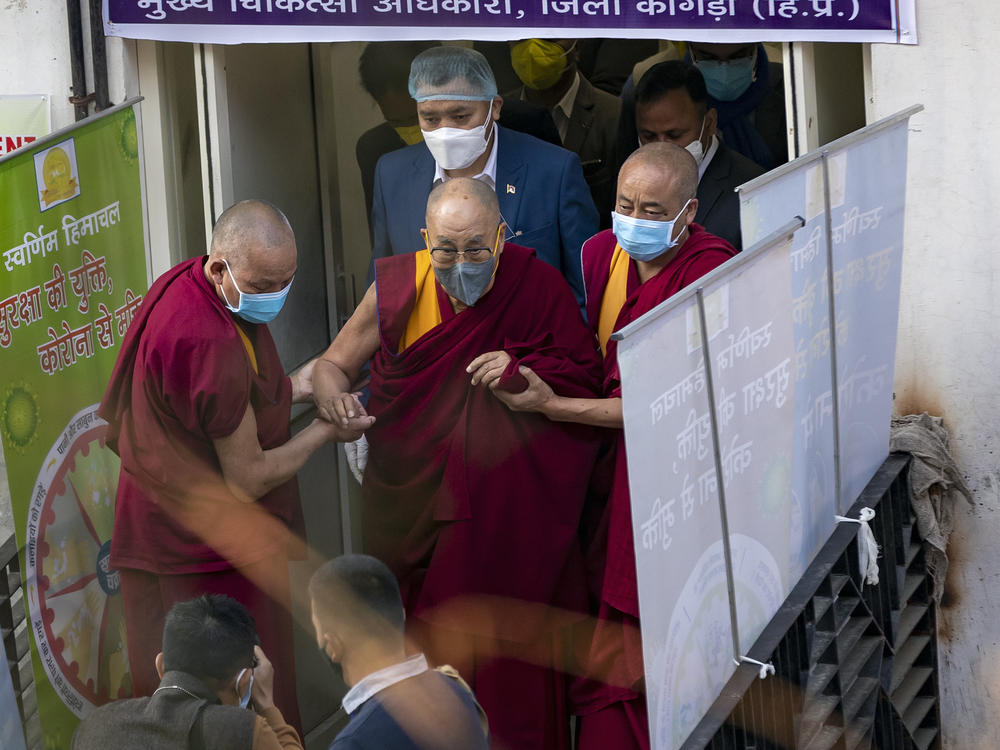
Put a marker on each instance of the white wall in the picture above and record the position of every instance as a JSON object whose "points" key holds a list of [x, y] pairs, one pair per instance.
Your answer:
{"points": [[34, 55], [30, 61], [948, 358]]}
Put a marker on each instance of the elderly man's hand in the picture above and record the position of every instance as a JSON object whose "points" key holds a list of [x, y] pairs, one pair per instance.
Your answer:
{"points": [[340, 408], [487, 368], [345, 432], [533, 398]]}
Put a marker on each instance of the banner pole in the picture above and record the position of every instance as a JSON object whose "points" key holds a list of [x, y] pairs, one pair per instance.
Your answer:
{"points": [[719, 483], [831, 312]]}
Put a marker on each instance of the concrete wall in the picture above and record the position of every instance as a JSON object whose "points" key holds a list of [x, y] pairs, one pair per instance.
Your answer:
{"points": [[948, 357], [34, 55]]}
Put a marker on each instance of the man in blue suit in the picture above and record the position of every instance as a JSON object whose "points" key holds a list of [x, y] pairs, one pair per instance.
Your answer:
{"points": [[544, 198]]}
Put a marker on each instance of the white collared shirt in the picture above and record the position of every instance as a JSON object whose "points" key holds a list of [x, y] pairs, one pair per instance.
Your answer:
{"points": [[563, 111], [708, 156], [489, 173], [378, 681]]}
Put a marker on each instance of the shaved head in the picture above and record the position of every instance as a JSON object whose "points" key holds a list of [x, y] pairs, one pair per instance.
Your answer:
{"points": [[248, 228], [463, 215], [446, 193], [675, 168], [253, 251]]}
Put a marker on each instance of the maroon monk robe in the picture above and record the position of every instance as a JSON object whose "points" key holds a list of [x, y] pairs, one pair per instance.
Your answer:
{"points": [[183, 378], [612, 702], [476, 507]]}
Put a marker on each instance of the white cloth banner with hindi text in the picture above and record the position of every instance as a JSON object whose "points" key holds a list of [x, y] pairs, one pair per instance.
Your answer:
{"points": [[770, 348]]}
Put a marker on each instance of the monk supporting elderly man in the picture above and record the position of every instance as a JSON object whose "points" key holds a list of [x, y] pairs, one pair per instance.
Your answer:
{"points": [[198, 408], [474, 507], [652, 251]]}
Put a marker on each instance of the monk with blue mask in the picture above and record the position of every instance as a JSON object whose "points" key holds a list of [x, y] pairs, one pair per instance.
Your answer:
{"points": [[198, 409], [654, 250], [473, 507]]}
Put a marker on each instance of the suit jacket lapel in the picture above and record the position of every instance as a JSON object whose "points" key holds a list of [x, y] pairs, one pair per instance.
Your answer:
{"points": [[710, 187], [510, 183], [423, 169], [582, 119]]}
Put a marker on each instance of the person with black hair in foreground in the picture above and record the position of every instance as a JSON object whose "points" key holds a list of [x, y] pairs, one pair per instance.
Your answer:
{"points": [[396, 702], [216, 689]]}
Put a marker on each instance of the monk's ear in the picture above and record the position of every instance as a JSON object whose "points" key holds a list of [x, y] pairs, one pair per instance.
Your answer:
{"points": [[158, 661], [427, 241], [691, 211], [216, 269]]}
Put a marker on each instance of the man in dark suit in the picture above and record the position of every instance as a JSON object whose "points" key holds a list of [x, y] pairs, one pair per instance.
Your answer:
{"points": [[585, 116], [211, 671], [544, 198], [672, 105]]}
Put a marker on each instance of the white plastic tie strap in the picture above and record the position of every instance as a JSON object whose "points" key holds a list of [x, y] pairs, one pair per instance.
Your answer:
{"points": [[867, 546], [766, 667]]}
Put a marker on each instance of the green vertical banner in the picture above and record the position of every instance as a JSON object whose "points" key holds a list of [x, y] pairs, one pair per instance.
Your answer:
{"points": [[72, 276]]}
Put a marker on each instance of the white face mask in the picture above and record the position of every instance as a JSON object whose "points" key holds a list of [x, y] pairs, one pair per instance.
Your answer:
{"points": [[455, 148], [696, 148]]}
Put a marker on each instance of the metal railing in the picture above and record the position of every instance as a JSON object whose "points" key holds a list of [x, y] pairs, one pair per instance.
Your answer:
{"points": [[855, 666]]}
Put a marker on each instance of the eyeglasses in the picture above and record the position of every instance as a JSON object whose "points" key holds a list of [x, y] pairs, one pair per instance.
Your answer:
{"points": [[449, 255]]}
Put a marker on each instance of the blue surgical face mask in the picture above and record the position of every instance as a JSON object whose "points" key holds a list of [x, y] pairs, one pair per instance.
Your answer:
{"points": [[727, 80], [256, 308], [644, 239]]}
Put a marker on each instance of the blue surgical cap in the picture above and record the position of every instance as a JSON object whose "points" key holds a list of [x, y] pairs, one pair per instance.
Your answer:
{"points": [[451, 73]]}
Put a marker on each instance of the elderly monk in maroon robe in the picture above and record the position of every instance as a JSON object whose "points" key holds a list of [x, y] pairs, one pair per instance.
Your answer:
{"points": [[198, 409], [652, 252], [473, 507]]}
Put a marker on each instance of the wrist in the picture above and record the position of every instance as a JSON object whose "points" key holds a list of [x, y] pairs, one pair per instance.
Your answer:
{"points": [[551, 408], [296, 388]]}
